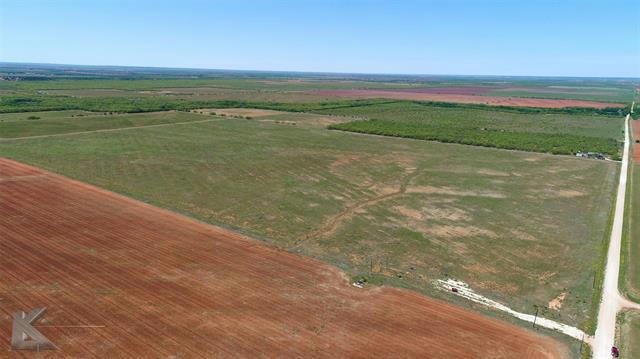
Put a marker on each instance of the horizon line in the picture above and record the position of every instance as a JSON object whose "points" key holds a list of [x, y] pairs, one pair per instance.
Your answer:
{"points": [[315, 72]]}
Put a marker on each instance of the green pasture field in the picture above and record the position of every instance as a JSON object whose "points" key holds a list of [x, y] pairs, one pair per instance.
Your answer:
{"points": [[59, 122], [520, 228], [544, 132]]}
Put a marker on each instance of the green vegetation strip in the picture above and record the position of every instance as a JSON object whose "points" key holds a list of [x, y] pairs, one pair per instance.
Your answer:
{"points": [[551, 143], [552, 133], [133, 104]]}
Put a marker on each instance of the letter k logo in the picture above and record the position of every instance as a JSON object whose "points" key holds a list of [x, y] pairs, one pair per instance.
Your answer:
{"points": [[24, 336]]}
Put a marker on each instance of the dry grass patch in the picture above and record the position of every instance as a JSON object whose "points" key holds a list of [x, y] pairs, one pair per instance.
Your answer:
{"points": [[453, 192], [237, 112], [556, 303]]}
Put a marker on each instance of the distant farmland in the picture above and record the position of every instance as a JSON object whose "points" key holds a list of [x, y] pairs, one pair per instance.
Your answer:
{"points": [[524, 101]]}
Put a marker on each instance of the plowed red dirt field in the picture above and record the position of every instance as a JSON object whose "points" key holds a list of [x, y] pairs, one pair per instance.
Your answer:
{"points": [[464, 98], [453, 90], [635, 125], [163, 285]]}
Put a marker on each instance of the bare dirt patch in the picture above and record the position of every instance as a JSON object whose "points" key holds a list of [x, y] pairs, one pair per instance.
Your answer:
{"points": [[482, 171], [556, 303], [475, 99], [343, 160], [569, 193], [453, 192], [447, 231], [163, 285], [240, 112], [275, 117], [304, 119], [280, 122], [490, 172], [453, 90], [448, 213], [433, 212], [522, 235], [557, 193], [408, 212]]}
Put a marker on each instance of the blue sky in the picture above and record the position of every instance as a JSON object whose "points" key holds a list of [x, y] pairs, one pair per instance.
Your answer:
{"points": [[467, 37]]}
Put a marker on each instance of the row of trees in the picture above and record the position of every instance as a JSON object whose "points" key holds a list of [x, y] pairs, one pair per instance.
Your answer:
{"points": [[527, 141]]}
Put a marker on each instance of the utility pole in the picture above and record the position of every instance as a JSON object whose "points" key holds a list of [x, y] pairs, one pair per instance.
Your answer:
{"points": [[536, 317]]}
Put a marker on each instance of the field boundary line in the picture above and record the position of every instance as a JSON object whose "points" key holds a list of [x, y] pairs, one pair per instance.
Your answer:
{"points": [[108, 130]]}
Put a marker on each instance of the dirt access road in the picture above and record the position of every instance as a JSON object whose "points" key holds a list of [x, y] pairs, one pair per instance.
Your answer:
{"points": [[612, 301], [156, 284]]}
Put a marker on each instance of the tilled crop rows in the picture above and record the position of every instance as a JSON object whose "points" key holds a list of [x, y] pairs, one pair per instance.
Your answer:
{"points": [[157, 284]]}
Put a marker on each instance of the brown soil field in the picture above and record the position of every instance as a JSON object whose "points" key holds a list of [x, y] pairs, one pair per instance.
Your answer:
{"points": [[162, 285], [558, 90], [460, 98], [453, 90], [635, 124]]}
